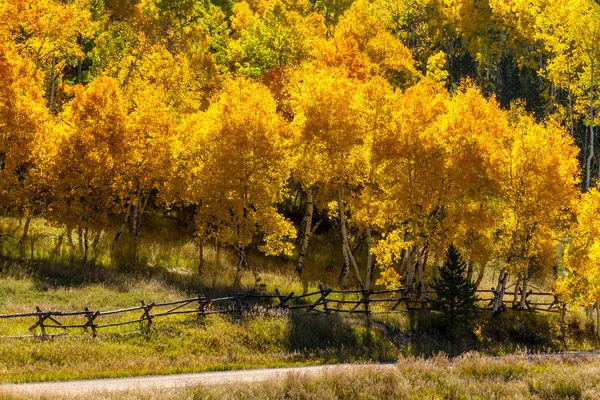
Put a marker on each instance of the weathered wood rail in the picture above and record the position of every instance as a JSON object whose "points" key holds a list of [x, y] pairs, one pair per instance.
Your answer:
{"points": [[325, 301]]}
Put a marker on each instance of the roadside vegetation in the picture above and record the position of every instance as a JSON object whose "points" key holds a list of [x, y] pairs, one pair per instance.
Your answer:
{"points": [[470, 376]]}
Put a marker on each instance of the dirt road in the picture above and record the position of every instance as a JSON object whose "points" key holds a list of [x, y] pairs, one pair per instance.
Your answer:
{"points": [[72, 388]]}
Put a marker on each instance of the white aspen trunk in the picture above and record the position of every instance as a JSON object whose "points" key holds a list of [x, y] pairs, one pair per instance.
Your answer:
{"points": [[418, 275], [369, 260], [571, 110], [470, 270], [308, 216], [410, 269], [217, 253], [200, 258], [240, 266], [25, 231], [500, 290], [134, 216], [404, 261], [134, 224], [423, 266], [346, 269], [85, 247], [96, 238], [70, 237], [588, 170], [349, 258], [80, 239], [480, 276], [52, 83], [515, 301], [523, 302], [122, 227]]}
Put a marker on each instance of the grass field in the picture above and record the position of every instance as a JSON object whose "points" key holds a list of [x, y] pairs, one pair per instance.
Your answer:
{"points": [[471, 376], [53, 278]]}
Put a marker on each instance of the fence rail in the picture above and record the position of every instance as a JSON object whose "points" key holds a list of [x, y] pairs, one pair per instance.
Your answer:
{"points": [[325, 301]]}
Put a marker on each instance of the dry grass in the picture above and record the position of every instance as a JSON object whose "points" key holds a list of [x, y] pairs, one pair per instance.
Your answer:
{"points": [[471, 376]]}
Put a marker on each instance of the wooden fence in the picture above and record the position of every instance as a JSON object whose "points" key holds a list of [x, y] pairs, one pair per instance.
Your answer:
{"points": [[325, 301]]}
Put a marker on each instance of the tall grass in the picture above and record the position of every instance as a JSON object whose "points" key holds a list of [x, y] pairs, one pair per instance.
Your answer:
{"points": [[471, 376]]}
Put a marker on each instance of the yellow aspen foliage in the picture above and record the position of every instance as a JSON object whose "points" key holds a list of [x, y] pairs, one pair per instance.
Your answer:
{"points": [[24, 134], [334, 146], [240, 150], [582, 253], [436, 67], [362, 44], [470, 130], [537, 176], [49, 33], [89, 157], [271, 35]]}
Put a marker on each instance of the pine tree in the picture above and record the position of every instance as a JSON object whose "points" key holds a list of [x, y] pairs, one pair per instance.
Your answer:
{"points": [[455, 292]]}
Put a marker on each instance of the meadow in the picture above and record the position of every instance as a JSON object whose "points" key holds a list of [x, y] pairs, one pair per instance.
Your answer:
{"points": [[53, 278]]}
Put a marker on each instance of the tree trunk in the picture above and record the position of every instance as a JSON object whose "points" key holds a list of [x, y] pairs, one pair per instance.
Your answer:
{"points": [[134, 225], [86, 247], [523, 302], [480, 276], [25, 232], [348, 257], [80, 239], [52, 83], [470, 270], [240, 266], [217, 254], [411, 269], [70, 237], [96, 239], [121, 228], [572, 122], [200, 258], [515, 302], [79, 65], [588, 170], [59, 243], [345, 269], [500, 289], [369, 260], [308, 216], [424, 258]]}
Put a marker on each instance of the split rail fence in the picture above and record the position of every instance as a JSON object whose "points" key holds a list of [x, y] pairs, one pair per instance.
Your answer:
{"points": [[325, 301]]}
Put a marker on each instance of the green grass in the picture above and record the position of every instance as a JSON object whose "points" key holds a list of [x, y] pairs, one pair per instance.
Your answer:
{"points": [[174, 344], [471, 376], [255, 340]]}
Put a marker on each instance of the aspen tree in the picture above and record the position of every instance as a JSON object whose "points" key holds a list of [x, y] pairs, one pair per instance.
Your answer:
{"points": [[241, 154]]}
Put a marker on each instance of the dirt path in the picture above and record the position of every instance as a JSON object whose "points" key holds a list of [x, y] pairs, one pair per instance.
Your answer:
{"points": [[71, 388]]}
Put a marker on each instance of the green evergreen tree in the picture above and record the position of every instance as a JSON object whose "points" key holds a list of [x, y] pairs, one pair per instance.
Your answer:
{"points": [[456, 297]]}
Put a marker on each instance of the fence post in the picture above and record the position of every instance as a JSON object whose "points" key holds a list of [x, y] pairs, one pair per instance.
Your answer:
{"points": [[202, 301], [366, 300], [283, 299], [41, 318], [91, 316], [146, 316], [324, 293]]}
